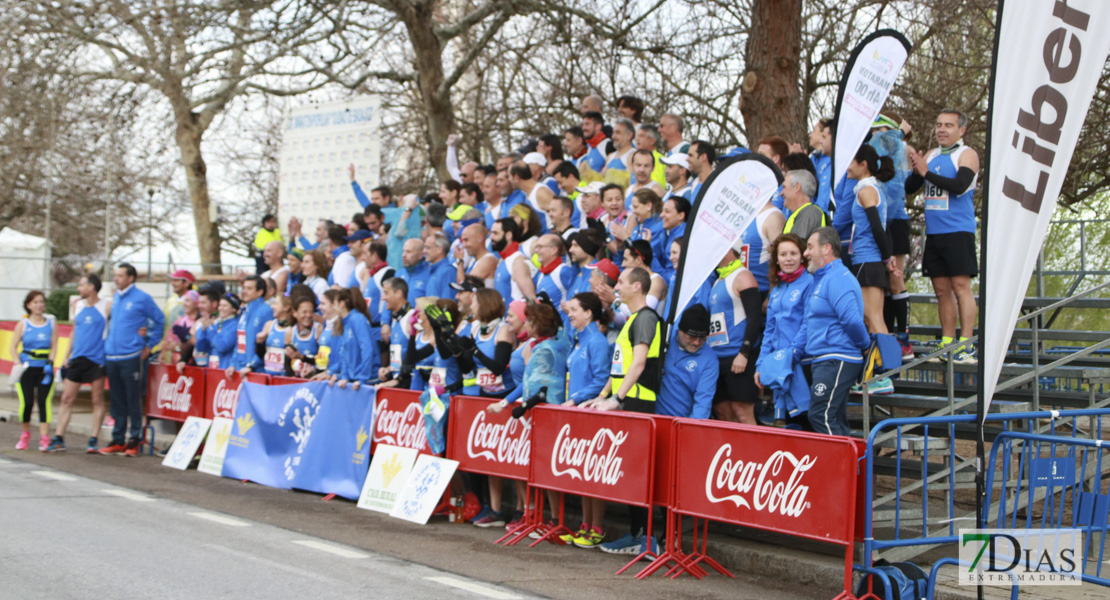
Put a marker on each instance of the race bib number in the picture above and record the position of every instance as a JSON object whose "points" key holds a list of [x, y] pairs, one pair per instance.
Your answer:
{"points": [[438, 377], [743, 254], [201, 359], [935, 198], [487, 379], [395, 357], [213, 362], [718, 333], [274, 359], [617, 370], [241, 341]]}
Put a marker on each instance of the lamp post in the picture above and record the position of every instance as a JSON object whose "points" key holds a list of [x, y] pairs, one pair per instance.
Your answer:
{"points": [[150, 235]]}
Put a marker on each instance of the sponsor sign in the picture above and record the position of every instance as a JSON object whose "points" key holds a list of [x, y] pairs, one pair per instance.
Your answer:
{"points": [[399, 420], [215, 448], [186, 443], [791, 483], [489, 443], [389, 472], [173, 396], [424, 488], [607, 455], [272, 428], [337, 454], [221, 394]]}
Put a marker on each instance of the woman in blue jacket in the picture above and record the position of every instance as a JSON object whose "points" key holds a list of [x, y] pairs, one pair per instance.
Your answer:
{"points": [[221, 334], [786, 304], [360, 358], [589, 359]]}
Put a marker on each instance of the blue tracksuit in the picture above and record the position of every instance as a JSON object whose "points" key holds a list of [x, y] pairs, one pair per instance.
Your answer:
{"points": [[132, 309], [823, 164], [661, 263], [786, 307], [440, 276], [588, 364], [251, 321], [833, 327], [689, 382], [844, 196], [359, 348], [417, 277], [654, 224], [221, 335]]}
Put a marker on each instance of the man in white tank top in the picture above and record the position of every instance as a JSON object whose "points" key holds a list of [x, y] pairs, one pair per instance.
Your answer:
{"points": [[274, 255]]}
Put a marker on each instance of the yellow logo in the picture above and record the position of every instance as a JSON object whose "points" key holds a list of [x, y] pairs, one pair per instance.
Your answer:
{"points": [[876, 55], [221, 438], [743, 178], [245, 423], [390, 469], [361, 438]]}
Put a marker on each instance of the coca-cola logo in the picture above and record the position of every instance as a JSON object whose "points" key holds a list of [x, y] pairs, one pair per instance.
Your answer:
{"points": [[400, 428], [225, 399], [591, 459], [506, 443], [176, 396], [773, 486]]}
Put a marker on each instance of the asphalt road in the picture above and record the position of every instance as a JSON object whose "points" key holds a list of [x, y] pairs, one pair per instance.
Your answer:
{"points": [[78, 526]]}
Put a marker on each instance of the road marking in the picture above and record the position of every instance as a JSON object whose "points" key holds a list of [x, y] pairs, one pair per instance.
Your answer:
{"points": [[469, 586], [55, 476], [222, 520], [333, 549], [137, 497]]}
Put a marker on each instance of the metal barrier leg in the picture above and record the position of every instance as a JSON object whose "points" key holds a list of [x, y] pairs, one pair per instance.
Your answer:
{"points": [[533, 521], [552, 534], [699, 555], [672, 552], [647, 553]]}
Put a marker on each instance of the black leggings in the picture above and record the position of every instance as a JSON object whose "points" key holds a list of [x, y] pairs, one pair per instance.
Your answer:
{"points": [[31, 391]]}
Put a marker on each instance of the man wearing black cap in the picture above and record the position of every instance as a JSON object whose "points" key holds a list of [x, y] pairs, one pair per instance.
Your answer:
{"points": [[583, 250], [690, 369], [464, 295]]}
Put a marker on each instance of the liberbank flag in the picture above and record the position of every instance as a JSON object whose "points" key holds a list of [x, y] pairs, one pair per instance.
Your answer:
{"points": [[1048, 58], [872, 69], [732, 195]]}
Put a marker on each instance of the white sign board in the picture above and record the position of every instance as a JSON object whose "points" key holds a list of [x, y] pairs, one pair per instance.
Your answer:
{"points": [[389, 471], [185, 445], [212, 458], [424, 489], [319, 143]]}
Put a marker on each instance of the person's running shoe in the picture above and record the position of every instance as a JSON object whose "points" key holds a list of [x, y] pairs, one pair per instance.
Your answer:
{"points": [[542, 530], [654, 546], [132, 448], [24, 441], [881, 387], [44, 443], [626, 544], [492, 519], [966, 356], [568, 538], [109, 422], [91, 448], [857, 390], [591, 539], [113, 448], [907, 349], [481, 513], [516, 522], [56, 445]]}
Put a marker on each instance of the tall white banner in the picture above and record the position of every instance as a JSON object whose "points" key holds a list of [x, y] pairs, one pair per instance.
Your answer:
{"points": [[731, 197], [872, 69], [1050, 54]]}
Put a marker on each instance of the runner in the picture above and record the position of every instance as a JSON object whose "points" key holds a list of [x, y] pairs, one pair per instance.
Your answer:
{"points": [[37, 334], [736, 321], [84, 362]]}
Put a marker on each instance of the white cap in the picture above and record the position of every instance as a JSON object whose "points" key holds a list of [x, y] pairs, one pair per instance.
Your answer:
{"points": [[678, 158], [593, 187], [535, 158]]}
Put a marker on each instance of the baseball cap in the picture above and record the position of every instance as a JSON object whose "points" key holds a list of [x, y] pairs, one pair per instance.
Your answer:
{"points": [[884, 121], [606, 266], [183, 274], [465, 286], [535, 158], [593, 187], [695, 321], [678, 158], [359, 235]]}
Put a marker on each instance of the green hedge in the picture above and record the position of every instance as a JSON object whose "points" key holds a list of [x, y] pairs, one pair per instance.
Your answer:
{"points": [[57, 303]]}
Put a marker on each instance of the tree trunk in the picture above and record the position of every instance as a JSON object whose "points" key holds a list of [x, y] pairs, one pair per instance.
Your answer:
{"points": [[188, 136], [439, 112], [771, 99]]}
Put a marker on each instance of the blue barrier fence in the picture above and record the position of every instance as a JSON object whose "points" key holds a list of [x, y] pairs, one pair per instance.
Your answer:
{"points": [[921, 464]]}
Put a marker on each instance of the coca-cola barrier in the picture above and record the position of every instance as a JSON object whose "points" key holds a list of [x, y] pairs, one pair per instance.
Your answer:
{"points": [[399, 420], [488, 443], [173, 396]]}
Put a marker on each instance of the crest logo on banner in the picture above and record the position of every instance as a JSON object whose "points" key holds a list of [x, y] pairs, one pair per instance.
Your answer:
{"points": [[589, 459], [774, 486], [245, 423], [390, 469], [215, 449], [305, 409], [175, 396]]}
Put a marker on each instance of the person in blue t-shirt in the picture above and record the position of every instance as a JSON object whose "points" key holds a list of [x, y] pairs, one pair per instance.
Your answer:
{"points": [[84, 362], [441, 270], [870, 247]]}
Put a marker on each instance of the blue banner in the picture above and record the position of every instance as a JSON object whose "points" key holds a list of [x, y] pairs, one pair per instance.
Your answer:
{"points": [[310, 436]]}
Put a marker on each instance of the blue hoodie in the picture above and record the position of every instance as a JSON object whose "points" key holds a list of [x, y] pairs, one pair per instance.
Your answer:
{"points": [[833, 327], [689, 382], [417, 277], [132, 309], [588, 364], [359, 349], [251, 321], [786, 307], [221, 335]]}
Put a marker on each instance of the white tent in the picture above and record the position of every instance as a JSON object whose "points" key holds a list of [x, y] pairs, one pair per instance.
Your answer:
{"points": [[23, 260]]}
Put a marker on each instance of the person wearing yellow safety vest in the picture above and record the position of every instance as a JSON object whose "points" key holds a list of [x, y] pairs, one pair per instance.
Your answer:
{"points": [[269, 232], [798, 190], [634, 382]]}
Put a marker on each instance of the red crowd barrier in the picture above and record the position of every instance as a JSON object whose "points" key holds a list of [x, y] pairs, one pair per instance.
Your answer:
{"points": [[488, 443], [398, 420], [174, 396]]}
